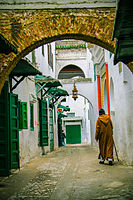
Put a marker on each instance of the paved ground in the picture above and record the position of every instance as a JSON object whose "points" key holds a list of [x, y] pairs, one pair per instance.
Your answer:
{"points": [[70, 173]]}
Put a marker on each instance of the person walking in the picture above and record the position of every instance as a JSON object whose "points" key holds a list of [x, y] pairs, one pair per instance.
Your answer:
{"points": [[63, 138], [104, 134]]}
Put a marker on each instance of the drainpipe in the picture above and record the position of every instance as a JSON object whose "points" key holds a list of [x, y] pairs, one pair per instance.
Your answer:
{"points": [[107, 85], [98, 86]]}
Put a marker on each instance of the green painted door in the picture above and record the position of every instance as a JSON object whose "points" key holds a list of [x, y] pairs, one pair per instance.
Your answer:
{"points": [[14, 131], [4, 132], [51, 129], [73, 134], [43, 118]]}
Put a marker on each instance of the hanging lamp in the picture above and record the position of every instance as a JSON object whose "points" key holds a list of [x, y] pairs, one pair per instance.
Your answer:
{"points": [[74, 92]]}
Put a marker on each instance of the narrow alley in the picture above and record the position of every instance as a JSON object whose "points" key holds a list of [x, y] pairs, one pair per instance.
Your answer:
{"points": [[66, 92], [71, 172]]}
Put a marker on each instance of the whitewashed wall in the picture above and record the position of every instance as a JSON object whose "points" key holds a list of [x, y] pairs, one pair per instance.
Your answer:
{"points": [[86, 88], [28, 140], [121, 103], [121, 108], [80, 108], [42, 60]]}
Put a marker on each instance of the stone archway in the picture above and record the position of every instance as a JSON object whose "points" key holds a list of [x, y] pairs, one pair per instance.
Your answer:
{"points": [[29, 29]]}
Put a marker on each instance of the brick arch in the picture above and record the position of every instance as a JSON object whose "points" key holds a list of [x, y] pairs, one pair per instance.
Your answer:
{"points": [[29, 29]]}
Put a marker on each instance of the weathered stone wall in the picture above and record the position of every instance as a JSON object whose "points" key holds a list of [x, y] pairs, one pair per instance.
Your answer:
{"points": [[52, 4], [29, 29]]}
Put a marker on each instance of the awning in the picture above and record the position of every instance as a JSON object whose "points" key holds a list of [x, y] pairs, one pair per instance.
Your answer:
{"points": [[123, 31], [45, 83], [47, 80], [56, 93], [25, 68], [123, 51], [6, 47]]}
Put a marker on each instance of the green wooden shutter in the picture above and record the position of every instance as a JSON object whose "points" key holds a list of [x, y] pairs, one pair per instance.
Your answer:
{"points": [[51, 129], [43, 118], [24, 116], [31, 116], [4, 132], [14, 131], [20, 114]]}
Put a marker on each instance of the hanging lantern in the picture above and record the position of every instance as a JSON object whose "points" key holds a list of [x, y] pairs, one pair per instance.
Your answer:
{"points": [[74, 92]]}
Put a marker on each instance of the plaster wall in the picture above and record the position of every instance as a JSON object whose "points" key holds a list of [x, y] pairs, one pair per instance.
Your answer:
{"points": [[84, 86], [121, 101], [121, 108], [28, 140], [77, 57], [81, 108], [94, 113], [42, 60]]}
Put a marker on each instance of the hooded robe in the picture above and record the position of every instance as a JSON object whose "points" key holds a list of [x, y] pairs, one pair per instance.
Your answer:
{"points": [[104, 133]]}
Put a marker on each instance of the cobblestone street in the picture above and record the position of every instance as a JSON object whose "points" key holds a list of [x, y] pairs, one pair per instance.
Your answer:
{"points": [[72, 173]]}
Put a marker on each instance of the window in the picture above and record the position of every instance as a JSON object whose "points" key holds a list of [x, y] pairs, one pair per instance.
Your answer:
{"points": [[24, 116], [31, 116], [50, 56], [110, 54], [43, 50], [33, 57]]}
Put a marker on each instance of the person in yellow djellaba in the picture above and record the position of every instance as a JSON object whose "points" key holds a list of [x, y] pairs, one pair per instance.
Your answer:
{"points": [[104, 135]]}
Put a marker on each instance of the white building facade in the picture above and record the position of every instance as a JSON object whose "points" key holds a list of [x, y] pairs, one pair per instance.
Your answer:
{"points": [[120, 103]]}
